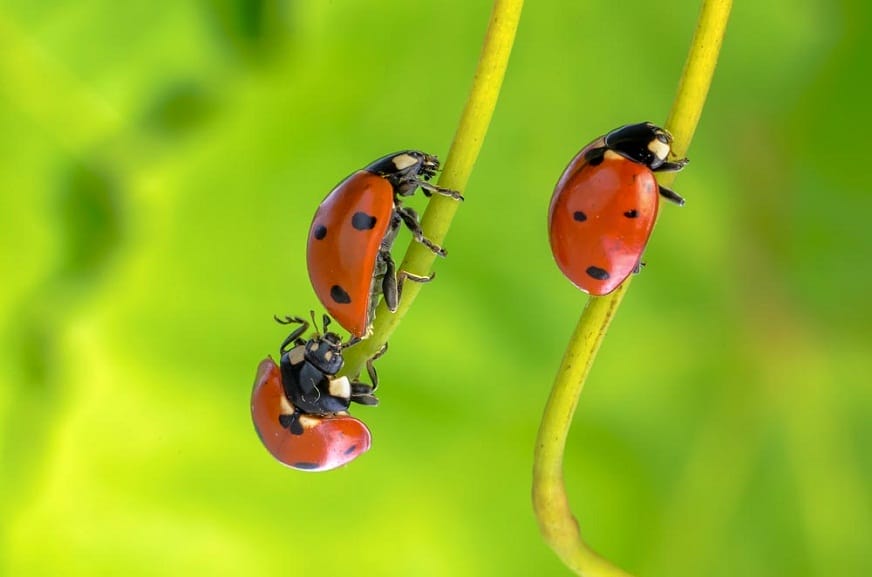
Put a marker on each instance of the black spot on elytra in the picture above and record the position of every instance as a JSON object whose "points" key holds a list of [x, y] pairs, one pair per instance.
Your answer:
{"points": [[339, 295], [579, 216], [362, 221], [350, 450], [631, 213], [305, 465], [320, 232], [597, 273], [291, 423]]}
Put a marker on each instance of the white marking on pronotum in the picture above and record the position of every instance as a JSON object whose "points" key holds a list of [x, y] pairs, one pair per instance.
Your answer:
{"points": [[340, 387], [296, 355], [402, 161]]}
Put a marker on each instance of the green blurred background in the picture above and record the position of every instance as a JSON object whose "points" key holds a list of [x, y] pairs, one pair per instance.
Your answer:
{"points": [[159, 166]]}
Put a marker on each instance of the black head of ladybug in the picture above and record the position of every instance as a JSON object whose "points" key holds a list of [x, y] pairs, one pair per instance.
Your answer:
{"points": [[324, 350], [644, 143], [405, 169]]}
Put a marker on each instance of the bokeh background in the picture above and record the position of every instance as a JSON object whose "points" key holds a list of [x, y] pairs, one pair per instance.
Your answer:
{"points": [[159, 166]]}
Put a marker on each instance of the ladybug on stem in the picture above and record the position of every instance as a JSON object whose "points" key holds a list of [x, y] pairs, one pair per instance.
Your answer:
{"points": [[349, 247], [605, 204], [300, 408]]}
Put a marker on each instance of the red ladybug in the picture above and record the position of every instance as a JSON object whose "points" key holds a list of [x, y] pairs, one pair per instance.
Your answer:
{"points": [[300, 409], [350, 240], [605, 205], [300, 441]]}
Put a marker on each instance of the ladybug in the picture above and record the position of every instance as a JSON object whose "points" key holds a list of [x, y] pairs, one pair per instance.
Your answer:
{"points": [[300, 441], [349, 247], [299, 407], [605, 204]]}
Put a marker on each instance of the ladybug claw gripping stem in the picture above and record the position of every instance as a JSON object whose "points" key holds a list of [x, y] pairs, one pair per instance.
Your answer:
{"points": [[430, 189], [673, 166], [370, 366], [401, 278], [671, 196]]}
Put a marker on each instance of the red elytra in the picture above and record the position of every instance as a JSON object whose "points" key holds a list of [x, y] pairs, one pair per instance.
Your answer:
{"points": [[605, 205], [354, 219], [321, 443]]}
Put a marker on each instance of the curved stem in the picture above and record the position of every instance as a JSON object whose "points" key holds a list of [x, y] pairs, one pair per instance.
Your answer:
{"points": [[550, 502], [458, 165]]}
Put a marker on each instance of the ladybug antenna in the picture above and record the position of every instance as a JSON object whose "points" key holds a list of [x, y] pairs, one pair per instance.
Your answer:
{"points": [[314, 324], [325, 322]]}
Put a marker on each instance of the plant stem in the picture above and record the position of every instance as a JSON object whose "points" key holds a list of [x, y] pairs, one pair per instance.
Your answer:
{"points": [[458, 166], [559, 527]]}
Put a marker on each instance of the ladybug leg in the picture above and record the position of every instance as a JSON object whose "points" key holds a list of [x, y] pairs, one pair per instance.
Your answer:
{"points": [[403, 275], [410, 219], [407, 187], [294, 337], [385, 267], [353, 340], [370, 366], [430, 189], [390, 290], [363, 393], [288, 320], [392, 283], [672, 166], [671, 196]]}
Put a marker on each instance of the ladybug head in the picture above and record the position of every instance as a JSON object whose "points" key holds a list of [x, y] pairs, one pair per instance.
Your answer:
{"points": [[404, 169], [644, 143], [429, 166], [324, 350]]}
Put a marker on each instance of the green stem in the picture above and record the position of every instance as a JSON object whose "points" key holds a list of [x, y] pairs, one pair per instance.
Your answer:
{"points": [[550, 502], [458, 166]]}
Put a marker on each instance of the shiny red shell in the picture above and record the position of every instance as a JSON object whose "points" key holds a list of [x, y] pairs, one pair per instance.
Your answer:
{"points": [[600, 219], [326, 442], [343, 246]]}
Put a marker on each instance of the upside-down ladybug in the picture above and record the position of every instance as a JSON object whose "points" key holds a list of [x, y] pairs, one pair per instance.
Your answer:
{"points": [[349, 247], [300, 408], [605, 204], [300, 441]]}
